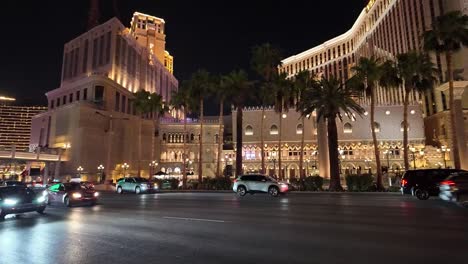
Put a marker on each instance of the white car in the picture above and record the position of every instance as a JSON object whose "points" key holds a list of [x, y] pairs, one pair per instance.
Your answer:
{"points": [[258, 184]]}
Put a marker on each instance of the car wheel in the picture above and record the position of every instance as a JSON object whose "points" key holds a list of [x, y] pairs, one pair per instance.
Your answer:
{"points": [[273, 191], [241, 191], [41, 210], [137, 190], [119, 190], [422, 194], [67, 202]]}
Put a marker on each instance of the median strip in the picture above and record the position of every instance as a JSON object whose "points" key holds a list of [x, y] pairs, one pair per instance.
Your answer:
{"points": [[195, 219]]}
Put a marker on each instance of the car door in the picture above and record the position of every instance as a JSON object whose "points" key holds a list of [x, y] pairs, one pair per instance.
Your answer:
{"points": [[262, 183], [129, 184], [53, 192]]}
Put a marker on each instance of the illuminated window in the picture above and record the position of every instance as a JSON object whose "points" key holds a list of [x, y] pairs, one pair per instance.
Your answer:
{"points": [[250, 155], [347, 128], [274, 130], [249, 130]]}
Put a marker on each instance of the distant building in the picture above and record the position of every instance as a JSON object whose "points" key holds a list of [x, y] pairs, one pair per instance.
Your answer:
{"points": [[15, 125], [91, 116]]}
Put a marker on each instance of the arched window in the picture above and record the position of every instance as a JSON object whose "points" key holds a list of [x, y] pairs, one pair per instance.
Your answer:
{"points": [[299, 129], [347, 128], [164, 137], [192, 137], [274, 130], [377, 127], [402, 126], [249, 130]]}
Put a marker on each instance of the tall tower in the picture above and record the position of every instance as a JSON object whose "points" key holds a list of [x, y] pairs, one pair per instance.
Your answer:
{"points": [[93, 16], [149, 32]]}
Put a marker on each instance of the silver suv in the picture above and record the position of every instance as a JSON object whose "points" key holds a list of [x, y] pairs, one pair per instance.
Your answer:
{"points": [[258, 183], [133, 184]]}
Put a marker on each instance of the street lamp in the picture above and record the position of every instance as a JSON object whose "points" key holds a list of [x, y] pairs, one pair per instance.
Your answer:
{"points": [[340, 160], [153, 164], [101, 170], [413, 152], [444, 150], [125, 167], [272, 158], [307, 167], [80, 170], [387, 153]]}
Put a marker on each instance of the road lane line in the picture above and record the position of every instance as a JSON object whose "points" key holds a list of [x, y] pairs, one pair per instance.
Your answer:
{"points": [[195, 219]]}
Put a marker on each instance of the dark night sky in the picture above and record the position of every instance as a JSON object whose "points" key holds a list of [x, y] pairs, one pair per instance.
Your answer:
{"points": [[215, 35]]}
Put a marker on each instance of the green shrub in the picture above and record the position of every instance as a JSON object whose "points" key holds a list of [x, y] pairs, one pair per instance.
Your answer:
{"points": [[394, 189], [359, 183], [216, 184]]}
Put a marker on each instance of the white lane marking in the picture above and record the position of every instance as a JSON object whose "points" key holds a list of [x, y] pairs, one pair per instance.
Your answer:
{"points": [[195, 219]]}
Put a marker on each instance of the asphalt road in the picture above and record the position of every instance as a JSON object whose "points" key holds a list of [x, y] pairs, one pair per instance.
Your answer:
{"points": [[222, 228]]}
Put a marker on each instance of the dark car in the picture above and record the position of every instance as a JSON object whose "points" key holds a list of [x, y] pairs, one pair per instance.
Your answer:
{"points": [[14, 183], [424, 183], [19, 199], [455, 188], [71, 193]]}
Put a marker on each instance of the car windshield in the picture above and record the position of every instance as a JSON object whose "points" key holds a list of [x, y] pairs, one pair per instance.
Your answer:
{"points": [[7, 191], [141, 180], [75, 187]]}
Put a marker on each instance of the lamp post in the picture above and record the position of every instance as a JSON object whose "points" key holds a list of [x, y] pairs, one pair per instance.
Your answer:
{"points": [[101, 170], [315, 153], [444, 150], [80, 170], [340, 160], [153, 164], [226, 157], [413, 152], [125, 167], [307, 167], [387, 154], [272, 158]]}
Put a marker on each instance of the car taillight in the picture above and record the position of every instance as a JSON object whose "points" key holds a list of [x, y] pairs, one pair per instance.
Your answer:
{"points": [[404, 182], [235, 180], [449, 183]]}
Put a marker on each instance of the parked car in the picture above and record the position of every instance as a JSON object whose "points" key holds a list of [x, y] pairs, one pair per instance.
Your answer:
{"points": [[134, 184], [70, 194], [424, 183], [455, 188], [19, 199], [258, 184]]}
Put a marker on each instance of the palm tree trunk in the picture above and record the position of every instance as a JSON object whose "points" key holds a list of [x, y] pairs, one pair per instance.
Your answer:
{"points": [[220, 133], [405, 129], [184, 156], [239, 141], [262, 142], [200, 150], [335, 181], [139, 148], [301, 157], [376, 143], [453, 123], [279, 145]]}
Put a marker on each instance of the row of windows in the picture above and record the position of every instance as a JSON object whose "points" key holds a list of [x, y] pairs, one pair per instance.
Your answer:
{"points": [[77, 96], [179, 138]]}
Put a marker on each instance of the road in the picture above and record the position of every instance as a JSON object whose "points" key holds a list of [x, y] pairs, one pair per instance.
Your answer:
{"points": [[222, 228]]}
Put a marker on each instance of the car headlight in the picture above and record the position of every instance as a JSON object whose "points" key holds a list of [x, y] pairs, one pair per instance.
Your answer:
{"points": [[76, 195], [41, 199], [96, 194], [10, 201], [156, 187], [44, 193]]}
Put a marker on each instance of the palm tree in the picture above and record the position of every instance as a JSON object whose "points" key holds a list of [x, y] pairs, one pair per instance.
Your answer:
{"points": [[222, 94], [368, 72], [302, 81], [201, 83], [158, 109], [239, 85], [142, 104], [448, 35], [283, 101], [416, 72], [180, 100], [330, 98], [265, 61]]}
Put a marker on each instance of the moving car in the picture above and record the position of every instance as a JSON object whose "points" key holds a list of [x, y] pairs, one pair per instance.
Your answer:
{"points": [[455, 188], [258, 184], [71, 193], [133, 184], [424, 183], [19, 199], [14, 183]]}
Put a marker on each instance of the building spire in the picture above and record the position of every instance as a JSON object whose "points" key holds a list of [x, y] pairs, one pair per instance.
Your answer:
{"points": [[93, 18]]}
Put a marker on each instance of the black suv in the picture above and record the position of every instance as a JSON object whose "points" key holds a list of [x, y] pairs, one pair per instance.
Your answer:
{"points": [[424, 183]]}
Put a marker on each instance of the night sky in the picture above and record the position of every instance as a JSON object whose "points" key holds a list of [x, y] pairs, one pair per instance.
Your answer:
{"points": [[214, 35]]}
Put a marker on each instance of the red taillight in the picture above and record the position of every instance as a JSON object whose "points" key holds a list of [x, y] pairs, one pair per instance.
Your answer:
{"points": [[235, 180], [449, 183], [404, 182]]}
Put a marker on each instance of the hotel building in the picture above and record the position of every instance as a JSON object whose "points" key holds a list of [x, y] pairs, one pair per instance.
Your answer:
{"points": [[384, 28], [91, 117]]}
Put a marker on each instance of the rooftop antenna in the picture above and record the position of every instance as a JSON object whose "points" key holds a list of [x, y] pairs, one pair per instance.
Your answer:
{"points": [[93, 18]]}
